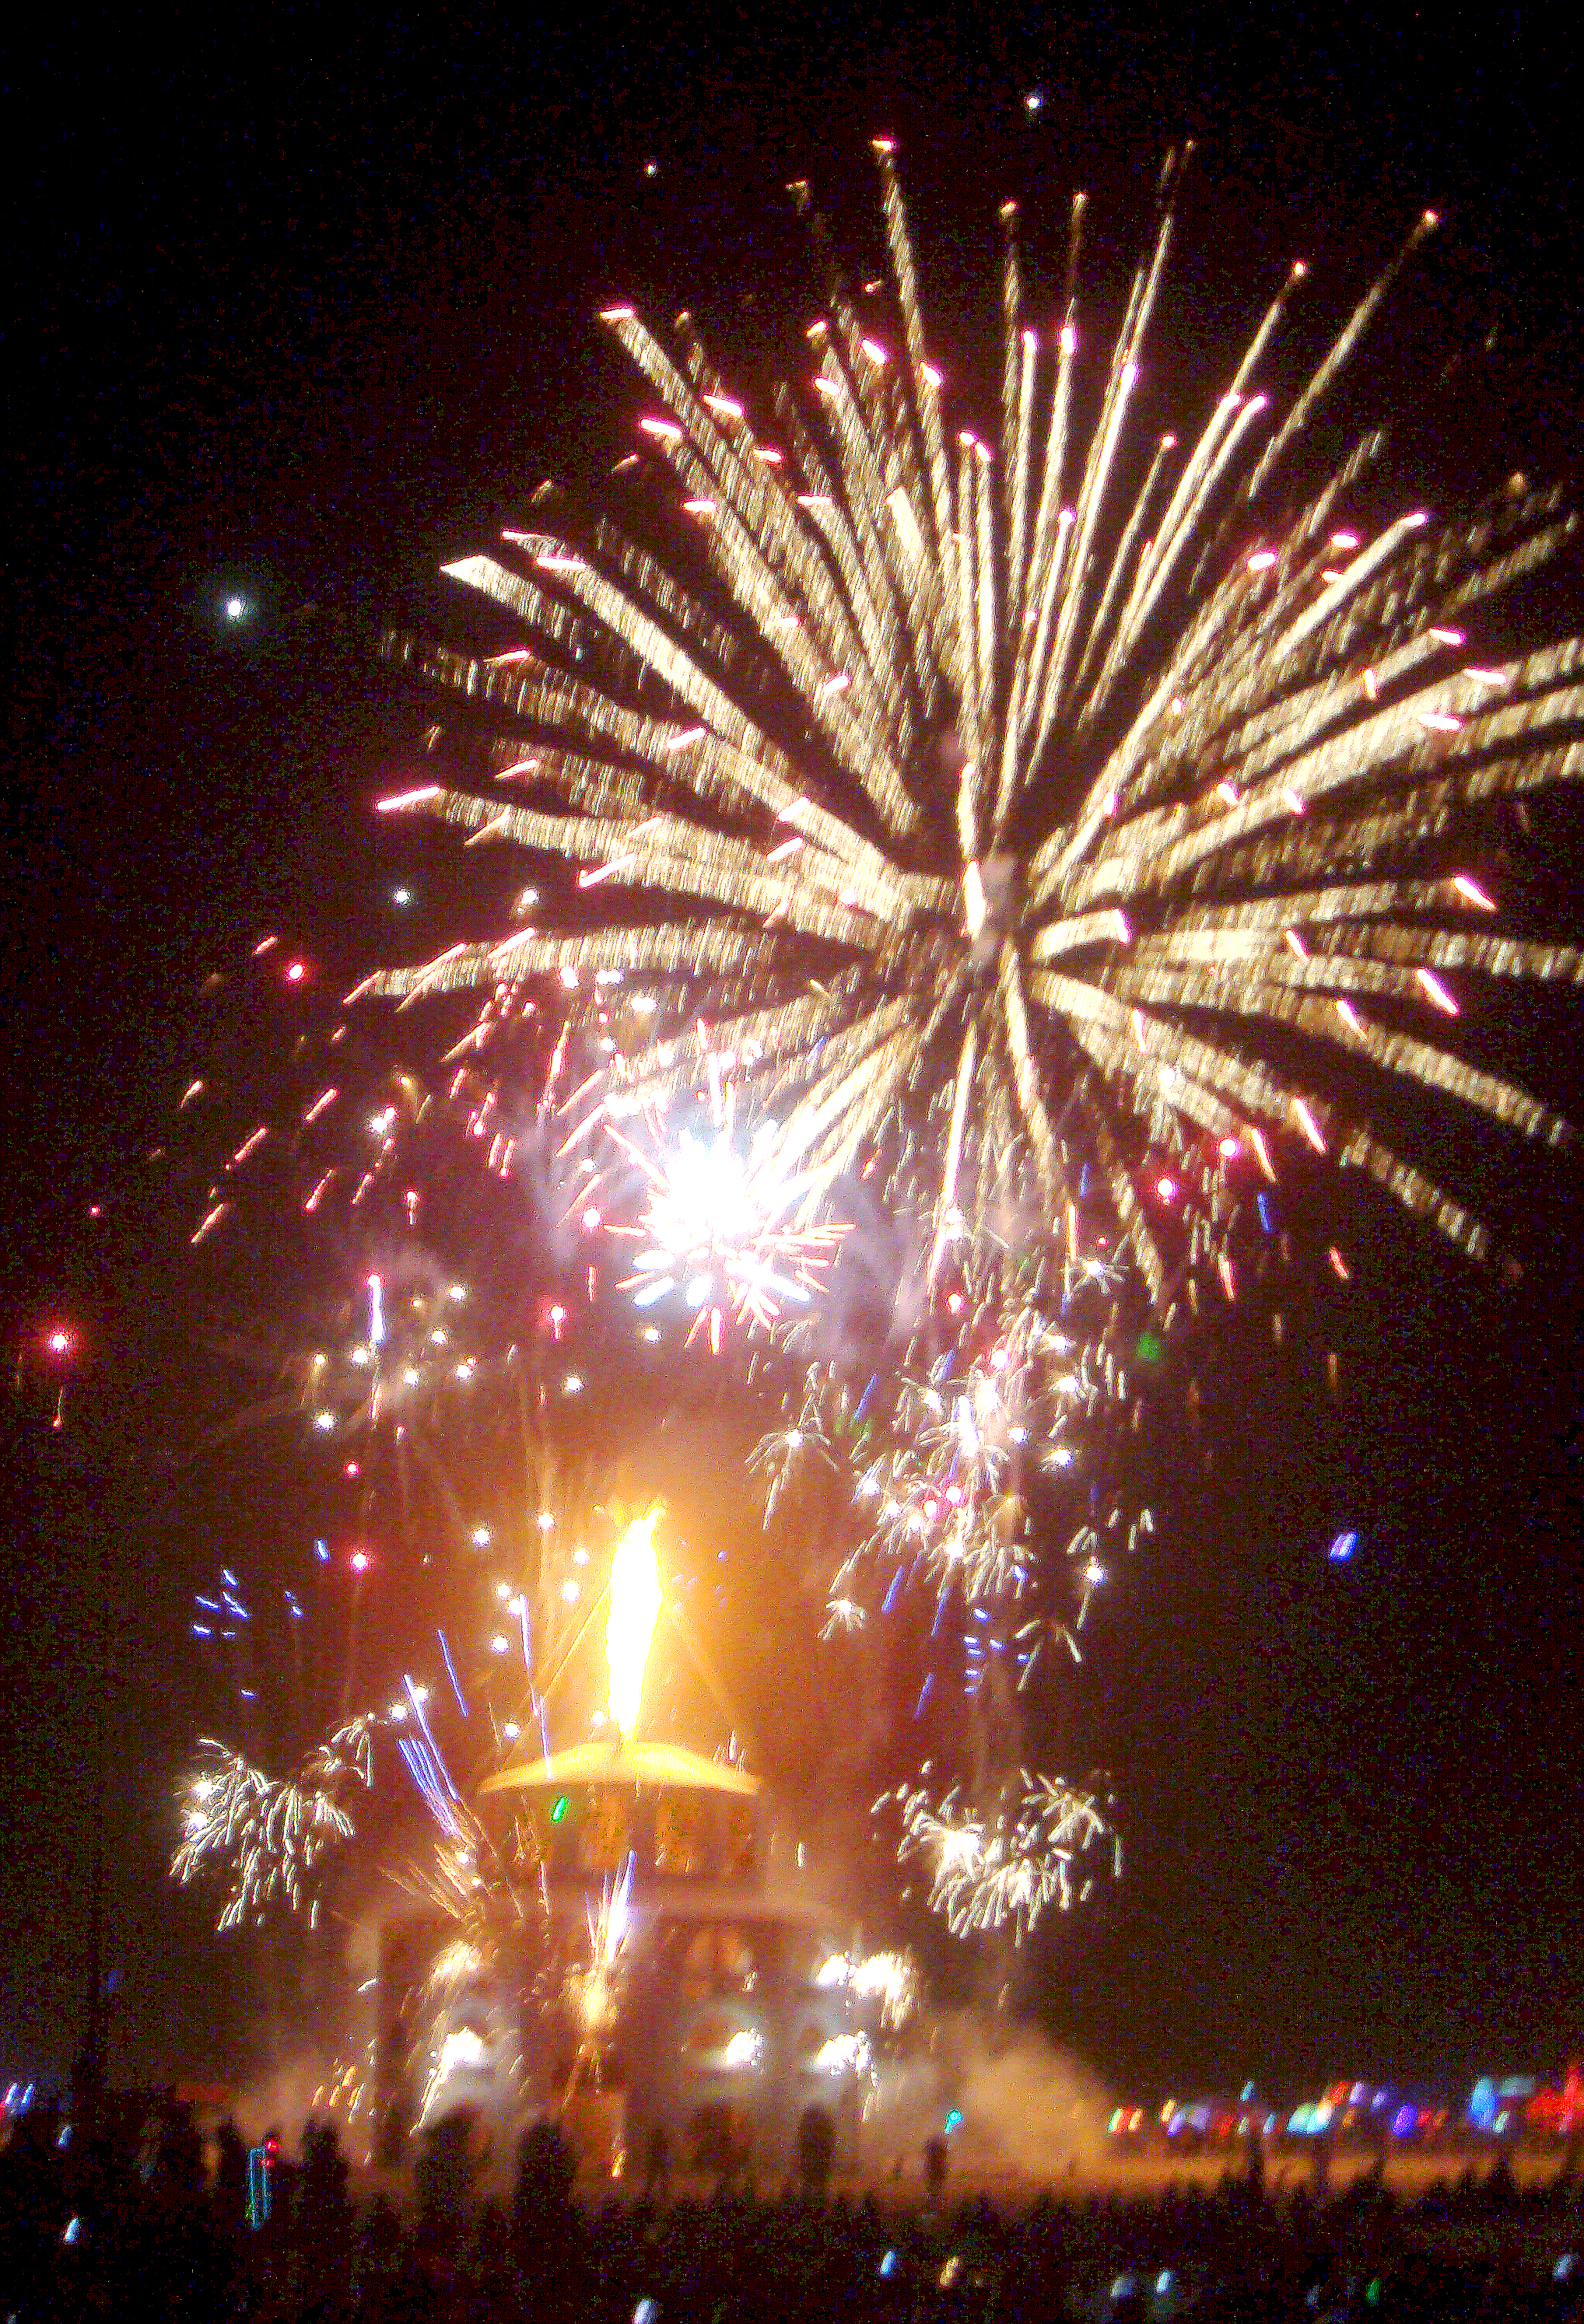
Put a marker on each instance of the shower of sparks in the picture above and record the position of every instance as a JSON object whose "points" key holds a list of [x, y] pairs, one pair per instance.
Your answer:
{"points": [[592, 1990], [999, 1481], [1007, 1866], [889, 1977], [999, 1475], [1016, 796], [265, 1836]]}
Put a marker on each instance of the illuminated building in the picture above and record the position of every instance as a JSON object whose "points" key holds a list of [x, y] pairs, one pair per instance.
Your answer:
{"points": [[668, 2001]]}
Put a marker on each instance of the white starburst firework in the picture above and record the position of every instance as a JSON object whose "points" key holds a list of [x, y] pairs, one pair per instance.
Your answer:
{"points": [[1018, 799]]}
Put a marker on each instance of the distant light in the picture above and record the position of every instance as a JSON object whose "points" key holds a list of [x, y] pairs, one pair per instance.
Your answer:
{"points": [[652, 169], [359, 1561], [1342, 1548], [1033, 102], [61, 1339], [401, 895], [324, 1420], [295, 972], [481, 1536], [572, 1383], [235, 609]]}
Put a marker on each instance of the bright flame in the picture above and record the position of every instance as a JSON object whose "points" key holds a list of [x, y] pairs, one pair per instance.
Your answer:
{"points": [[634, 1607]]}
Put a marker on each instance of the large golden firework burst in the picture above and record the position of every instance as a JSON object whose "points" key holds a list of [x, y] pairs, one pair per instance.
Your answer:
{"points": [[1010, 808]]}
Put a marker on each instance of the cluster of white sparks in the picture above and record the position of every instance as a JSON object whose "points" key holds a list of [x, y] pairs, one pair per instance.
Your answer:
{"points": [[1004, 1866], [266, 1836]]}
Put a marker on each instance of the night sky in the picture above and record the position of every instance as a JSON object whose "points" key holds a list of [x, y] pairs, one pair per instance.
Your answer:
{"points": [[302, 321]]}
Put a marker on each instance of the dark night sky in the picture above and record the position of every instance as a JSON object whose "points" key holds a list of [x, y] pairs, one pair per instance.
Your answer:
{"points": [[309, 319]]}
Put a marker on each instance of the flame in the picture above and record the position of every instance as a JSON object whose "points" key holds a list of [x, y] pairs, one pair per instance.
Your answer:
{"points": [[634, 1607]]}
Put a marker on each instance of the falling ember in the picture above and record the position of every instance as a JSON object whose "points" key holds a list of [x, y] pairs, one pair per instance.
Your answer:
{"points": [[1437, 991], [634, 1609], [1309, 1125]]}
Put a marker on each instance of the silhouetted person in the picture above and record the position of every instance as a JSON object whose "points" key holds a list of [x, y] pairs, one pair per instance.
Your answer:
{"points": [[816, 2150], [444, 2178], [230, 2199]]}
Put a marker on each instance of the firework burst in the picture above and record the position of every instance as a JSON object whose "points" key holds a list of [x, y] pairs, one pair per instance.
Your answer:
{"points": [[1005, 1867], [715, 1230], [1051, 817], [997, 1473], [267, 1837]]}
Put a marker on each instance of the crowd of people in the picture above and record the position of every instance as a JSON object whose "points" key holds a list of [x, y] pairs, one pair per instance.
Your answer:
{"points": [[167, 2227]]}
